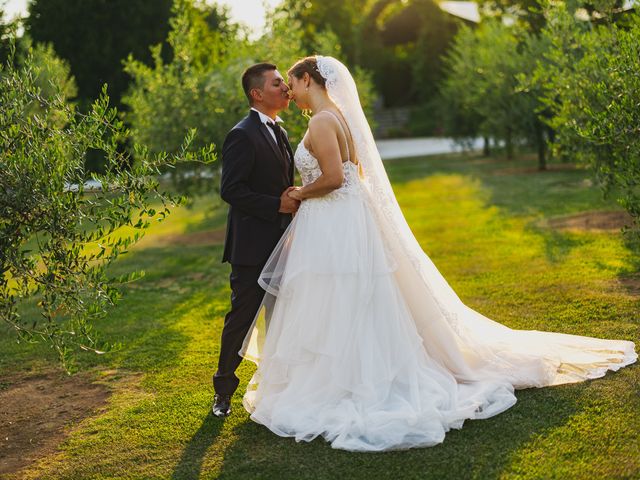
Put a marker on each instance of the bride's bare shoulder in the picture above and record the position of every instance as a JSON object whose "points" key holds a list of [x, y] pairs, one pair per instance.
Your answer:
{"points": [[321, 125], [321, 119]]}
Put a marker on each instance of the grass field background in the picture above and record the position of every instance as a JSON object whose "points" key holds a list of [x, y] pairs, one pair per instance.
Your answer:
{"points": [[484, 223]]}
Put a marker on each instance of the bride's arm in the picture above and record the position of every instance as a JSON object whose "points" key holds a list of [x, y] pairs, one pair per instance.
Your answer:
{"points": [[326, 149]]}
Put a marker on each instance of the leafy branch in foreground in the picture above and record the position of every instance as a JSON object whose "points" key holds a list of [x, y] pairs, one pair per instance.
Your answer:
{"points": [[58, 236]]}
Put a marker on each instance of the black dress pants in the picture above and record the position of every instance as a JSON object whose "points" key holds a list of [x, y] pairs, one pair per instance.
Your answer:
{"points": [[246, 296]]}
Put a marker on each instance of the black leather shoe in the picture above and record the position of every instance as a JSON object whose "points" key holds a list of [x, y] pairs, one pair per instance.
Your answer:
{"points": [[221, 405]]}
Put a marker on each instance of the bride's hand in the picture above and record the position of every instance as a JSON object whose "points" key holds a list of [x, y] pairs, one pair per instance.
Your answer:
{"points": [[294, 193]]}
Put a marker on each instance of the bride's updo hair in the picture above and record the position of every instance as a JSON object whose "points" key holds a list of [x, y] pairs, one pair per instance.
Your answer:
{"points": [[307, 65]]}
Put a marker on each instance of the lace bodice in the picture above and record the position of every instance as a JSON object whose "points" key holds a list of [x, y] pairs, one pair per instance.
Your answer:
{"points": [[309, 170]]}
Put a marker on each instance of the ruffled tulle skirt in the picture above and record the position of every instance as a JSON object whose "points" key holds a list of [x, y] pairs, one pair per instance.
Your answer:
{"points": [[341, 355]]}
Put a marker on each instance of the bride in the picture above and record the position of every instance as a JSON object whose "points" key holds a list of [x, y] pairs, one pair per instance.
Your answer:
{"points": [[367, 345]]}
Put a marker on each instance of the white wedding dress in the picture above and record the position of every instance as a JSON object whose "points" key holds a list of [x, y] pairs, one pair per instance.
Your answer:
{"points": [[360, 339]]}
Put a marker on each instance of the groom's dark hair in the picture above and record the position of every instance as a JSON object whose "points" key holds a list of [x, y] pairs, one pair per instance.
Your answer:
{"points": [[253, 77]]}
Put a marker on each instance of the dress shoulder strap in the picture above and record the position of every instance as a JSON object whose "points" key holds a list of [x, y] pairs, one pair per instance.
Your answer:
{"points": [[346, 138]]}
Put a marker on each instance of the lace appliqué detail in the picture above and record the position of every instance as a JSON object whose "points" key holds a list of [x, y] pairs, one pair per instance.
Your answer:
{"points": [[309, 170], [327, 71]]}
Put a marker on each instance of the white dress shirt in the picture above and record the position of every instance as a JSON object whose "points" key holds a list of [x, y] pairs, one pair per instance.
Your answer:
{"points": [[267, 119]]}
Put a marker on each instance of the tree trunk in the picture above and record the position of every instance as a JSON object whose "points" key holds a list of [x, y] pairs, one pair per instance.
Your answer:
{"points": [[509, 144], [542, 146], [486, 149]]}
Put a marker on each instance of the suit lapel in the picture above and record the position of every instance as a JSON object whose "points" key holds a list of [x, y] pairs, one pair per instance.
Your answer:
{"points": [[264, 130], [269, 139]]}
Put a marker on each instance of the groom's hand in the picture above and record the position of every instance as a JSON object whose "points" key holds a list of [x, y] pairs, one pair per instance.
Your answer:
{"points": [[288, 204]]}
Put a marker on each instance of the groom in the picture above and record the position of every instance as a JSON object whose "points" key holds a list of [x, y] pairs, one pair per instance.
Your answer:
{"points": [[257, 174]]}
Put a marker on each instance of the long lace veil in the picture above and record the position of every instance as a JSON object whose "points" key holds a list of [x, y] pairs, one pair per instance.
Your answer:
{"points": [[471, 345]]}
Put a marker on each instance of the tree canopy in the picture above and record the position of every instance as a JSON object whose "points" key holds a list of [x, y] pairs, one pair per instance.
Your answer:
{"points": [[95, 36]]}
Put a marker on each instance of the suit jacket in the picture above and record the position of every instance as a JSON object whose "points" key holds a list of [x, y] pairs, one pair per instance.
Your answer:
{"points": [[252, 180]]}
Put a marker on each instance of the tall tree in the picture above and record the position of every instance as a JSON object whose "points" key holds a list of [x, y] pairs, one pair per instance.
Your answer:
{"points": [[592, 87], [400, 42], [96, 35], [484, 85], [342, 18]]}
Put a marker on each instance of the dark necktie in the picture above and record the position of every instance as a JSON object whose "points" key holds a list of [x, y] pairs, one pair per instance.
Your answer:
{"points": [[281, 143], [284, 218]]}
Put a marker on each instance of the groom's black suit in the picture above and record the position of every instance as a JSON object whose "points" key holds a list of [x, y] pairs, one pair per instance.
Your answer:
{"points": [[254, 175]]}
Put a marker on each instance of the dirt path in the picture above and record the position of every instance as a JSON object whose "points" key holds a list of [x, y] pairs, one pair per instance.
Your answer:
{"points": [[205, 237], [605, 221], [37, 410]]}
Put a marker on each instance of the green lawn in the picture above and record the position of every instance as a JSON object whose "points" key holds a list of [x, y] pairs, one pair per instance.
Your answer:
{"points": [[481, 222]]}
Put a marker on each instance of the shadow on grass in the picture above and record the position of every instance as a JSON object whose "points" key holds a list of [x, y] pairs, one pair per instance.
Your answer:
{"points": [[190, 464], [143, 320], [514, 186], [632, 243], [557, 245], [482, 449], [214, 218]]}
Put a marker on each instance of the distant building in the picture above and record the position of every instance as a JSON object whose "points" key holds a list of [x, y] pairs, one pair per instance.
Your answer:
{"points": [[465, 10], [470, 12]]}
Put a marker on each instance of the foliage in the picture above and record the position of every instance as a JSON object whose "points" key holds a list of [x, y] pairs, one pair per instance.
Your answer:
{"points": [[434, 33], [201, 88], [192, 90], [484, 92], [592, 87], [574, 84], [56, 237], [53, 73], [403, 44], [400, 43], [459, 90], [313, 18], [531, 13], [94, 36]]}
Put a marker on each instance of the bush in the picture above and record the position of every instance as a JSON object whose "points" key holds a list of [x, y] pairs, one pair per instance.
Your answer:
{"points": [[593, 90], [56, 238], [487, 91]]}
